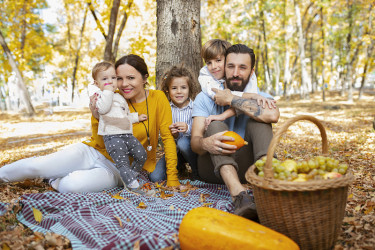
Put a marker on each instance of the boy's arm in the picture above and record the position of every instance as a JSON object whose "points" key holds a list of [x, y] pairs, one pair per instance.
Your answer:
{"points": [[207, 82], [223, 116]]}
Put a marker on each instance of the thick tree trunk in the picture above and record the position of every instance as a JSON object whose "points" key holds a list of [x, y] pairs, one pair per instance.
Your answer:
{"points": [[24, 94], [287, 35], [301, 45], [178, 35]]}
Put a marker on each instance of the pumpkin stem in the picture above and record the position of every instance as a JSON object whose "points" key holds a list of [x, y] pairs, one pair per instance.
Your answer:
{"points": [[245, 142]]}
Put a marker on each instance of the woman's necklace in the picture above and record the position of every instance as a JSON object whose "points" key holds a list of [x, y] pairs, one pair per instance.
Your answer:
{"points": [[149, 147]]}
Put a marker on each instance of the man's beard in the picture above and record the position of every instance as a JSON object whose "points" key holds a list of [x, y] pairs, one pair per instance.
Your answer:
{"points": [[237, 86]]}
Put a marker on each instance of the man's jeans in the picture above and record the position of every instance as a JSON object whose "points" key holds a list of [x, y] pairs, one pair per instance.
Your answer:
{"points": [[258, 135]]}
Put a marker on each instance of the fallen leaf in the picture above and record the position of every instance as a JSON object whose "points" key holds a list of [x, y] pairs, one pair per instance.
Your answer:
{"points": [[203, 197], [207, 204], [142, 205], [118, 219], [136, 245], [117, 196], [171, 207], [38, 216]]}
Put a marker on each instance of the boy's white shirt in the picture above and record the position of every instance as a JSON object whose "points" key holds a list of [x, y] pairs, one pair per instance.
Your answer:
{"points": [[207, 82], [112, 105]]}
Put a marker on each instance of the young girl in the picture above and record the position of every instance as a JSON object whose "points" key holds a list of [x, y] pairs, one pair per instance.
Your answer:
{"points": [[116, 126], [179, 86]]}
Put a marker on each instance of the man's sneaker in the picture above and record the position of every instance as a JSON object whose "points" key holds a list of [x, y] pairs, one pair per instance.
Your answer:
{"points": [[244, 206]]}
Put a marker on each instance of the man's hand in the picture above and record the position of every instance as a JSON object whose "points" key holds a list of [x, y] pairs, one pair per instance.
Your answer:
{"points": [[223, 97], [214, 144], [93, 108]]}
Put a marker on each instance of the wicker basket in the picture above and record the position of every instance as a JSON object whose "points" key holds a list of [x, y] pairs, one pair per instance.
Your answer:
{"points": [[310, 212]]}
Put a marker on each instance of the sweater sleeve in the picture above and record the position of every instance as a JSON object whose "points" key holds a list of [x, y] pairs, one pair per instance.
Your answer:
{"points": [[104, 102], [165, 119]]}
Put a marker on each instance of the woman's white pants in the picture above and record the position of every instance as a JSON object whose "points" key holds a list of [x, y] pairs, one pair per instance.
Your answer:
{"points": [[77, 168]]}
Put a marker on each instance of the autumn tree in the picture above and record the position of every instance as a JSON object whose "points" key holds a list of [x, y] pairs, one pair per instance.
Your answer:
{"points": [[178, 35]]}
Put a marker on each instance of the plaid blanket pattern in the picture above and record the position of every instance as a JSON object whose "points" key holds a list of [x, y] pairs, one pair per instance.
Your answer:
{"points": [[89, 219]]}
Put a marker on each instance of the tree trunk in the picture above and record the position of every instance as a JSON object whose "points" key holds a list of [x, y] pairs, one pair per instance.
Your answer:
{"points": [[76, 62], [108, 55], [178, 35], [301, 45], [322, 57], [348, 66], [24, 94], [287, 35], [268, 75], [120, 30]]}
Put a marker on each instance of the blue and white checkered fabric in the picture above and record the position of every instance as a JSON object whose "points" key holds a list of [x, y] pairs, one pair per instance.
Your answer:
{"points": [[89, 221]]}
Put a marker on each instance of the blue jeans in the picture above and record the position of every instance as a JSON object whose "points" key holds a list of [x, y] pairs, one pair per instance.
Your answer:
{"points": [[160, 172], [184, 150]]}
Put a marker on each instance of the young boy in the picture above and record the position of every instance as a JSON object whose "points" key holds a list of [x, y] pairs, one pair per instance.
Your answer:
{"points": [[115, 125], [212, 75]]}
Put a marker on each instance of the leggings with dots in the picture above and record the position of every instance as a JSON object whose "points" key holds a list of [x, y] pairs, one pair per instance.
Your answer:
{"points": [[120, 147]]}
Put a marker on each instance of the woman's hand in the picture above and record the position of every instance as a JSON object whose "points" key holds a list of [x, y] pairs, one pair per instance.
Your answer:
{"points": [[214, 145], [93, 108]]}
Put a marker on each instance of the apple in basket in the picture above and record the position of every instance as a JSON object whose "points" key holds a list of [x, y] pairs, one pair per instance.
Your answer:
{"points": [[315, 168]]}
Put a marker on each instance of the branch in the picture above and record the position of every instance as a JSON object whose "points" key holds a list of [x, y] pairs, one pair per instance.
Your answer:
{"points": [[96, 19]]}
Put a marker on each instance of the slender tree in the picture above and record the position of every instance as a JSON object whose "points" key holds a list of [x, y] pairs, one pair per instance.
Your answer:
{"points": [[23, 93]]}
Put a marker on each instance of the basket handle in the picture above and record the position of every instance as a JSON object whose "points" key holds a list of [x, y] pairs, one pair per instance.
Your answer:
{"points": [[268, 172]]}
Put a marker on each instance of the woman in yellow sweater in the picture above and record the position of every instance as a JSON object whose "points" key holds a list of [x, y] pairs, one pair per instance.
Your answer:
{"points": [[86, 167], [132, 77]]}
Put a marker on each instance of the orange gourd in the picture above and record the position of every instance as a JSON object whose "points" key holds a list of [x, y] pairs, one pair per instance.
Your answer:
{"points": [[238, 141], [210, 228]]}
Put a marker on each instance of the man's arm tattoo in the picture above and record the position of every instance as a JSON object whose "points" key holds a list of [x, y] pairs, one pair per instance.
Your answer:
{"points": [[248, 106]]}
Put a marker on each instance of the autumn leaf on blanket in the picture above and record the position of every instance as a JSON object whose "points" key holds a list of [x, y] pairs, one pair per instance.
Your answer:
{"points": [[207, 204], [165, 196], [38, 216], [187, 187], [118, 219], [142, 205], [136, 245], [171, 207], [117, 196], [203, 197]]}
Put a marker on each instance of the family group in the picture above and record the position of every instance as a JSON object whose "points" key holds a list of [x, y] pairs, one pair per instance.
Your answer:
{"points": [[189, 115]]}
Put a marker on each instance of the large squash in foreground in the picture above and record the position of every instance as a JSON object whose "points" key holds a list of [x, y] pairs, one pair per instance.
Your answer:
{"points": [[210, 228]]}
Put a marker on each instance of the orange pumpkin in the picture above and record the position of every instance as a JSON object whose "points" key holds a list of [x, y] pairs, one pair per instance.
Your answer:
{"points": [[238, 141]]}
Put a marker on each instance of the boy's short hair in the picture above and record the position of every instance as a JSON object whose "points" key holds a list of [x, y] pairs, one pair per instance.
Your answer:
{"points": [[214, 48], [99, 67]]}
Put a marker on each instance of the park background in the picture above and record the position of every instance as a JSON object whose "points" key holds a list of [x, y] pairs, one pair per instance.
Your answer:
{"points": [[315, 57]]}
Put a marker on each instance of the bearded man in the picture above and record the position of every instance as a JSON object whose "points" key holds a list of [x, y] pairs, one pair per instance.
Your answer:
{"points": [[219, 162]]}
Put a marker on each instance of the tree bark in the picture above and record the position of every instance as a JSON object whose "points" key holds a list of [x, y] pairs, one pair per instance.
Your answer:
{"points": [[120, 30], [323, 52], [178, 35], [24, 94], [268, 76], [287, 74]]}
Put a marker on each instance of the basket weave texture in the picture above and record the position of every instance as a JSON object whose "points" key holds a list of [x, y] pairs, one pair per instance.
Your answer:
{"points": [[310, 212]]}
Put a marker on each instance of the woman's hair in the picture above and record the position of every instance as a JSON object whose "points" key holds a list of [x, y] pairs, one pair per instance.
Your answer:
{"points": [[214, 48], [99, 67], [136, 62], [179, 71]]}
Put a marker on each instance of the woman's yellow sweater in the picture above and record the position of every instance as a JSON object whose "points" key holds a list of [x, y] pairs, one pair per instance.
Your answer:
{"points": [[160, 118]]}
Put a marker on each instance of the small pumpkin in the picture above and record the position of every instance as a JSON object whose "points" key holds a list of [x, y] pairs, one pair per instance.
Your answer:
{"points": [[209, 228], [238, 141]]}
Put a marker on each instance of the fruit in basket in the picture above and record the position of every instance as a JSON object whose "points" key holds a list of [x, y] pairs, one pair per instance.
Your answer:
{"points": [[238, 141], [316, 168]]}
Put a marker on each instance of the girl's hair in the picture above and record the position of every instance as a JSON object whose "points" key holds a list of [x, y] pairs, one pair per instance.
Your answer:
{"points": [[136, 62], [179, 71], [214, 48], [99, 67]]}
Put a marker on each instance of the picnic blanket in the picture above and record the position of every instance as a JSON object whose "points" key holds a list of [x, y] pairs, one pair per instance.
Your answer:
{"points": [[108, 221]]}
